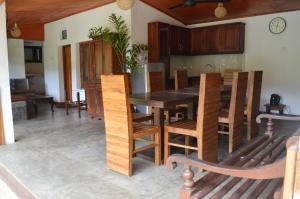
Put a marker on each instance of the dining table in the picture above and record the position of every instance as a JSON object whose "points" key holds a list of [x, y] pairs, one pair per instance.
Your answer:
{"points": [[168, 99]]}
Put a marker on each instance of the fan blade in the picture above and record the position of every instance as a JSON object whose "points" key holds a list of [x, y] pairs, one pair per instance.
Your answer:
{"points": [[176, 6]]}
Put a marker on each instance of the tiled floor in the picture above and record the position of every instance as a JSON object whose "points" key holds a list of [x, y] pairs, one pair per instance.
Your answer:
{"points": [[61, 157]]}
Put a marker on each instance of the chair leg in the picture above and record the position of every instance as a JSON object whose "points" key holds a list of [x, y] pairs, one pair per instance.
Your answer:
{"points": [[67, 107], [167, 148], [158, 148], [133, 148], [186, 143], [78, 105]]}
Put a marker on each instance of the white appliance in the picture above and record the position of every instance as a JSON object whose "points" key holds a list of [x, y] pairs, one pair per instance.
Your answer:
{"points": [[140, 82]]}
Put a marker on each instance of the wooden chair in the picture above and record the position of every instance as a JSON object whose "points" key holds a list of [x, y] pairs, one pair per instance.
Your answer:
{"points": [[181, 82], [81, 104], [206, 128], [181, 79], [156, 83], [256, 170], [120, 130], [139, 117], [253, 102], [234, 118], [68, 103], [228, 76]]}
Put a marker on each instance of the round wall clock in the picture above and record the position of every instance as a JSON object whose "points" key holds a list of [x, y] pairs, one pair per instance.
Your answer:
{"points": [[277, 25]]}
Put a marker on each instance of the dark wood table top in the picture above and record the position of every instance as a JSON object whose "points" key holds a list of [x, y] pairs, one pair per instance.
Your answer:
{"points": [[162, 99], [170, 98], [195, 90]]}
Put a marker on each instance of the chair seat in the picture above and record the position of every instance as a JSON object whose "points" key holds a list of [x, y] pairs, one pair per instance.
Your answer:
{"points": [[224, 116], [184, 127], [182, 106], [141, 130], [141, 117]]}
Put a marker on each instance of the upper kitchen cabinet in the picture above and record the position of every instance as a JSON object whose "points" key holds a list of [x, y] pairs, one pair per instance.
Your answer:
{"points": [[220, 39], [198, 41], [179, 40], [233, 38], [158, 41]]}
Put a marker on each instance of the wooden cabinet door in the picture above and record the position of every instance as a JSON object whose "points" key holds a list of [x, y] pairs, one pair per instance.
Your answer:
{"points": [[174, 43], [99, 101], [214, 39], [84, 62], [198, 41], [154, 42], [233, 38], [97, 59], [91, 101], [185, 39], [179, 40]]}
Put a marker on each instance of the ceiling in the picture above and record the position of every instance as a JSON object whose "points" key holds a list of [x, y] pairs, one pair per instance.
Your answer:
{"points": [[204, 12], [44, 11]]}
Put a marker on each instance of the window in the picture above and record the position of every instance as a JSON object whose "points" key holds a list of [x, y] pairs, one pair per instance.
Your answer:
{"points": [[33, 54]]}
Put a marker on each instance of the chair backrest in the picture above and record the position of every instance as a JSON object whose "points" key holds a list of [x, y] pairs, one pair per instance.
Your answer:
{"points": [[118, 122], [228, 76], [237, 107], [208, 112], [156, 81], [181, 79], [253, 101], [254, 92]]}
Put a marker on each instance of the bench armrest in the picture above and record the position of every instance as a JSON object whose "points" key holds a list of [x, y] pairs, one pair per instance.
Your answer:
{"points": [[277, 117], [271, 171]]}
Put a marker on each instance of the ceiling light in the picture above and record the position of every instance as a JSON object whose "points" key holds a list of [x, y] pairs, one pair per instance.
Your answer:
{"points": [[15, 30], [125, 4], [220, 11]]}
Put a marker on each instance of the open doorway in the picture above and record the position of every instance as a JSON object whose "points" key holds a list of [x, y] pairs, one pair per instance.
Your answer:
{"points": [[67, 68]]}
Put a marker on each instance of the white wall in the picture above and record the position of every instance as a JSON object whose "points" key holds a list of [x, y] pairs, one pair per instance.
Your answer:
{"points": [[77, 26], [16, 58], [4, 80], [195, 65], [142, 14], [277, 55]]}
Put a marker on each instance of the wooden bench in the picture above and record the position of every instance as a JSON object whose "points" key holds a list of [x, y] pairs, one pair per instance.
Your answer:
{"points": [[255, 171]]}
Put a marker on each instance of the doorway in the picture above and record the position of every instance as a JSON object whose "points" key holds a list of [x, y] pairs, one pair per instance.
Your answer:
{"points": [[67, 67]]}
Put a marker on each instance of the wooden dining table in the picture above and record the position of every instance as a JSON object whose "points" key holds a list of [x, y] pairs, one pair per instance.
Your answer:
{"points": [[169, 99]]}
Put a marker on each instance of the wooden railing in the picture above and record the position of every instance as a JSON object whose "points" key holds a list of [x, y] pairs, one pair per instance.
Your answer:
{"points": [[288, 167]]}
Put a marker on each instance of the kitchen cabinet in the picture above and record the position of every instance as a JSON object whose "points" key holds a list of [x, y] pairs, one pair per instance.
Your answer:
{"points": [[233, 38], [179, 40], [96, 58], [198, 41], [220, 39]]}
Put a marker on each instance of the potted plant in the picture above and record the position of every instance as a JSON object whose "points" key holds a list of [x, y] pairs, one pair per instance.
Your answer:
{"points": [[118, 36]]}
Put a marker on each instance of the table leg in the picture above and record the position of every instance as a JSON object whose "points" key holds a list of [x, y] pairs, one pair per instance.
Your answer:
{"points": [[52, 105], [159, 119]]}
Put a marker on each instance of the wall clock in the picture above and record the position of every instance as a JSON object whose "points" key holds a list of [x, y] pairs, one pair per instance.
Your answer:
{"points": [[277, 25]]}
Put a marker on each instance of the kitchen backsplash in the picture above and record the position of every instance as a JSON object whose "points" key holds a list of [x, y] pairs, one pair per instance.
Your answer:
{"points": [[206, 63]]}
